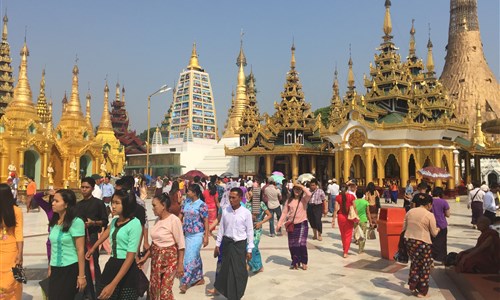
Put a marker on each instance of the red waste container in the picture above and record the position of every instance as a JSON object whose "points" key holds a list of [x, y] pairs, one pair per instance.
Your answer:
{"points": [[390, 225]]}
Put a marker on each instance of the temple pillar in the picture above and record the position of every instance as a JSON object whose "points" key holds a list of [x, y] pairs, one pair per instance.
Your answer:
{"points": [[65, 170], [269, 165], [21, 163], [456, 165], [43, 173], [313, 165], [467, 168], [295, 166], [347, 163], [330, 167], [337, 166], [437, 163], [477, 168], [368, 165], [381, 173], [404, 166], [3, 165]]}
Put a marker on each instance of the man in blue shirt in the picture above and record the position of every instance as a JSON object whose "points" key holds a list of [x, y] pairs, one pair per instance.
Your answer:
{"points": [[107, 193]]}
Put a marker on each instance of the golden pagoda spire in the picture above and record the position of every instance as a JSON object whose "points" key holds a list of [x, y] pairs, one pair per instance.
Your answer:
{"points": [[117, 92], [412, 39], [22, 90], [50, 125], [336, 93], [387, 21], [41, 106], [479, 138], [430, 59], [292, 60], [240, 101], [74, 107], [105, 124], [88, 97], [193, 61], [64, 102], [4, 29], [350, 74]]}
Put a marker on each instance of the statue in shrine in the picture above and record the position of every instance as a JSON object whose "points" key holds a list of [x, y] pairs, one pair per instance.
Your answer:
{"points": [[50, 177], [72, 170], [12, 168], [104, 169]]}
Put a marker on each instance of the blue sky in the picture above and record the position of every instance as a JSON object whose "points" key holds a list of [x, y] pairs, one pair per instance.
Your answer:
{"points": [[146, 44]]}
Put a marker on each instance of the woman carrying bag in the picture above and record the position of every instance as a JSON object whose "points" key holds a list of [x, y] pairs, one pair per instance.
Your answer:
{"points": [[343, 204], [295, 214]]}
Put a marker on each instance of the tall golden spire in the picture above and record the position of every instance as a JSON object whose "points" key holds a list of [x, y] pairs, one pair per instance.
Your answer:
{"points": [[292, 59], [105, 124], [41, 106], [88, 97], [123, 94], [22, 90], [4, 29], [412, 39], [64, 102], [74, 107], [387, 21], [350, 74], [430, 59], [335, 86], [240, 101], [193, 61]]}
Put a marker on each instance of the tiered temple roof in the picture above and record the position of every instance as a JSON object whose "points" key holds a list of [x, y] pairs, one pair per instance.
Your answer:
{"points": [[6, 78]]}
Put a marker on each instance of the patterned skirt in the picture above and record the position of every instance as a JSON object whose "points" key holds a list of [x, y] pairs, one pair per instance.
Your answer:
{"points": [[163, 268], [297, 243], [420, 268], [193, 266]]}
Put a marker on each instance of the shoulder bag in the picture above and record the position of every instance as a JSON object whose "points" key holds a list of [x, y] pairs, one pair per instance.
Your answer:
{"points": [[289, 224]]}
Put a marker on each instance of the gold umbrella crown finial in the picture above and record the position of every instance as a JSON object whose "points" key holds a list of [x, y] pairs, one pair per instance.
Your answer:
{"points": [[387, 19], [193, 61]]}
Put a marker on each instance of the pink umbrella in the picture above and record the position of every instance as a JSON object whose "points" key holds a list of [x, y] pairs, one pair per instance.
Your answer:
{"points": [[278, 173]]}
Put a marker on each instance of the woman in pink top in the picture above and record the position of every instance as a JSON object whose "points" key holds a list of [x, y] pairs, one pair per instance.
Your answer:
{"points": [[343, 202], [295, 210], [212, 200], [166, 251], [418, 226]]}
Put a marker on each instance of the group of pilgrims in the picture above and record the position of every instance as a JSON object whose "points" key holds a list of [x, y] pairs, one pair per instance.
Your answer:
{"points": [[191, 213]]}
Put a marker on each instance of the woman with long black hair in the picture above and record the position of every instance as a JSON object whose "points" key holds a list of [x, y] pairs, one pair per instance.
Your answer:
{"points": [[212, 200], [67, 239], [176, 199], [11, 243], [343, 202], [119, 278]]}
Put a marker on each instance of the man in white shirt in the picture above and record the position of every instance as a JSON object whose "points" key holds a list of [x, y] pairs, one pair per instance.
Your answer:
{"points": [[97, 192], [489, 203], [235, 237], [475, 203], [273, 196], [332, 190]]}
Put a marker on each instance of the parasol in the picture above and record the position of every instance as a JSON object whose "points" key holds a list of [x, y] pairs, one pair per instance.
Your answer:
{"points": [[193, 173], [278, 173], [278, 178], [226, 174], [434, 173], [305, 177]]}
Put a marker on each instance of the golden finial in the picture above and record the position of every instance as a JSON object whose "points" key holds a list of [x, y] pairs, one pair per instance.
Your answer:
{"points": [[4, 30], [88, 97], [292, 61], [123, 94], [193, 62], [430, 59], [73, 106], [387, 20], [241, 60], [117, 93], [350, 74], [41, 106], [412, 39], [479, 138], [335, 82], [105, 124]]}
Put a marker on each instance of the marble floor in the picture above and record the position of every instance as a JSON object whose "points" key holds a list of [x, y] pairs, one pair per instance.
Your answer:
{"points": [[364, 276]]}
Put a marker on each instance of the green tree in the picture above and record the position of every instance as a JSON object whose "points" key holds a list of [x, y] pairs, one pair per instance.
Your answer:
{"points": [[325, 112], [144, 135]]}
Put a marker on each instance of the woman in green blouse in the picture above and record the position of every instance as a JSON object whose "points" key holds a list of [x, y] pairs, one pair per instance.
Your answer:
{"points": [[67, 237], [119, 278]]}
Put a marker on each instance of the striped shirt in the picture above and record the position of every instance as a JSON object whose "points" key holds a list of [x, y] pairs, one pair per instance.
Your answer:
{"points": [[318, 196]]}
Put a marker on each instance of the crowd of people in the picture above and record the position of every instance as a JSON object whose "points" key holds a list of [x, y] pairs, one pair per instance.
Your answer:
{"points": [[111, 218]]}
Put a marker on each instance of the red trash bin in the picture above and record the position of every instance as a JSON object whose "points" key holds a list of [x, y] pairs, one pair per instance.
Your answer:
{"points": [[390, 225]]}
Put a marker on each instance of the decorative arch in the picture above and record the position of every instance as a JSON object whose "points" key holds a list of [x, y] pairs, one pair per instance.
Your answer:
{"points": [[392, 169], [444, 163], [412, 167], [32, 166], [427, 162], [86, 164], [492, 178], [57, 165], [358, 169]]}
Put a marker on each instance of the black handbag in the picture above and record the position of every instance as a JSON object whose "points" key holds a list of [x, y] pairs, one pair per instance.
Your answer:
{"points": [[19, 274], [142, 283]]}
